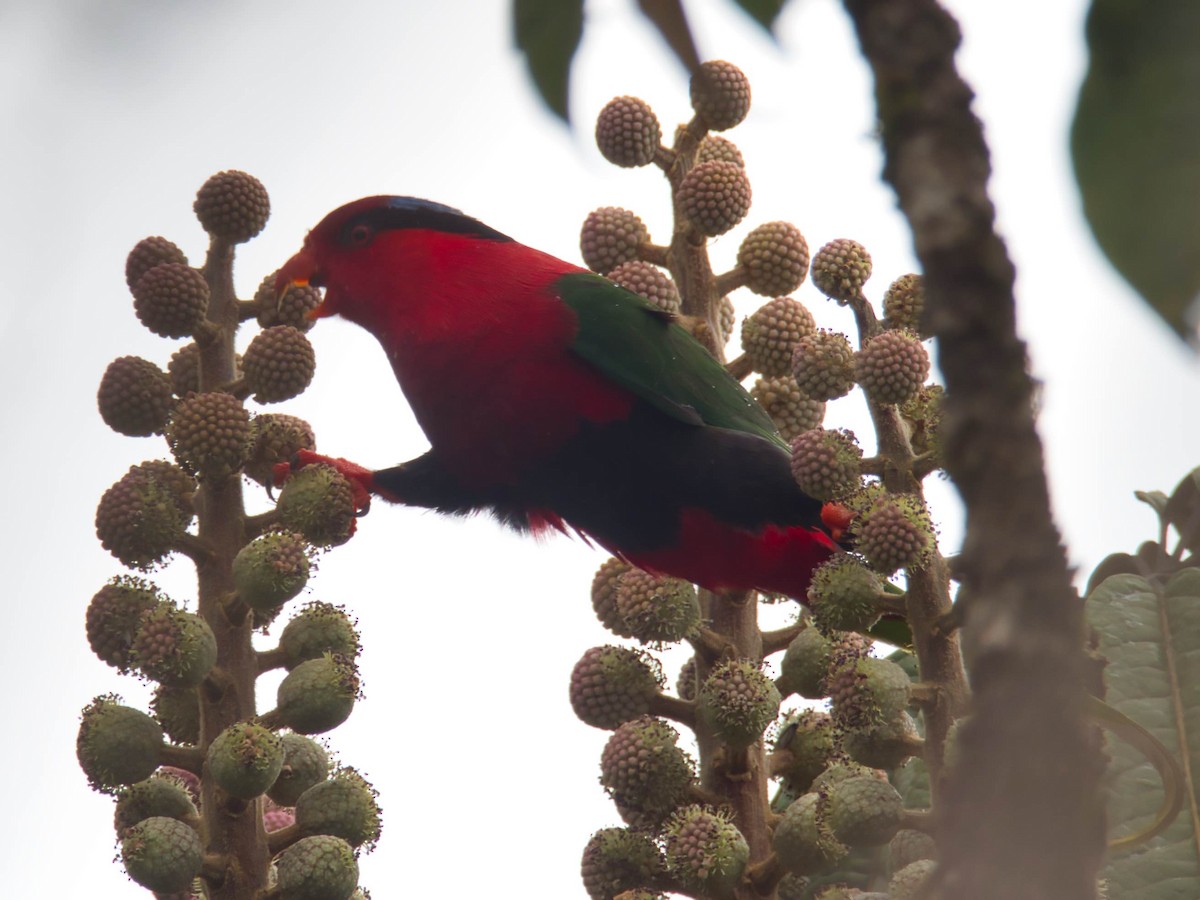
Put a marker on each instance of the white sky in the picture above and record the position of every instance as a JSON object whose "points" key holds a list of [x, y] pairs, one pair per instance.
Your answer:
{"points": [[114, 114]]}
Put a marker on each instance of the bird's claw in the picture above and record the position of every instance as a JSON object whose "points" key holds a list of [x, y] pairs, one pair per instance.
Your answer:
{"points": [[358, 476], [282, 471]]}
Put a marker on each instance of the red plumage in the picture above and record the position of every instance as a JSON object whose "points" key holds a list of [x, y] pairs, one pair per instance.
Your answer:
{"points": [[719, 556], [520, 422], [479, 345]]}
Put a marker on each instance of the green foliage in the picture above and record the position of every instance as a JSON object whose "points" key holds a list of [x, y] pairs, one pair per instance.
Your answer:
{"points": [[764, 12], [671, 21], [1134, 144], [1180, 513], [547, 32], [1149, 631], [1145, 612]]}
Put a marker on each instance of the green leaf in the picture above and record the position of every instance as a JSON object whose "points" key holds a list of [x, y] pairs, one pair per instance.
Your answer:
{"points": [[907, 660], [671, 21], [1151, 638], [1156, 500], [892, 630], [547, 32], [855, 870], [764, 12], [911, 780], [1113, 564], [1183, 510], [1134, 143], [783, 798]]}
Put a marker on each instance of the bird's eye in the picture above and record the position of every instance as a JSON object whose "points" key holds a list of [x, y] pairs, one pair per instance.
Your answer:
{"points": [[360, 235]]}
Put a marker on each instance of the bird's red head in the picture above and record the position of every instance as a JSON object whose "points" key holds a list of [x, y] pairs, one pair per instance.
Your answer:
{"points": [[356, 249]]}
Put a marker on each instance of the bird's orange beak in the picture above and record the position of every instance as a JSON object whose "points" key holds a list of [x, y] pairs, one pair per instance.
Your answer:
{"points": [[299, 271], [836, 518]]}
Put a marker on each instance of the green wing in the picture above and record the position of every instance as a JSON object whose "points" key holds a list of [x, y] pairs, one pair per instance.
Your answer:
{"points": [[640, 348]]}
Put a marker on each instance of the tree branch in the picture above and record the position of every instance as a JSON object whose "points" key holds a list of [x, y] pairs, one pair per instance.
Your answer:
{"points": [[781, 639], [1021, 816]]}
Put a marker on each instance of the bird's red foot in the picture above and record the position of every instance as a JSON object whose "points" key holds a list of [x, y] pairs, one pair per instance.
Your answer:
{"points": [[360, 478]]}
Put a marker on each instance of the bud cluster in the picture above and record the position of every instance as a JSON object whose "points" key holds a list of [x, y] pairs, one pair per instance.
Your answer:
{"points": [[831, 810], [206, 757]]}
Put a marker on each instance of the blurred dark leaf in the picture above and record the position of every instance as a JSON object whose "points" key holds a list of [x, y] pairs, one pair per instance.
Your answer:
{"points": [[764, 12], [547, 32], [671, 21], [1153, 559], [1134, 142]]}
